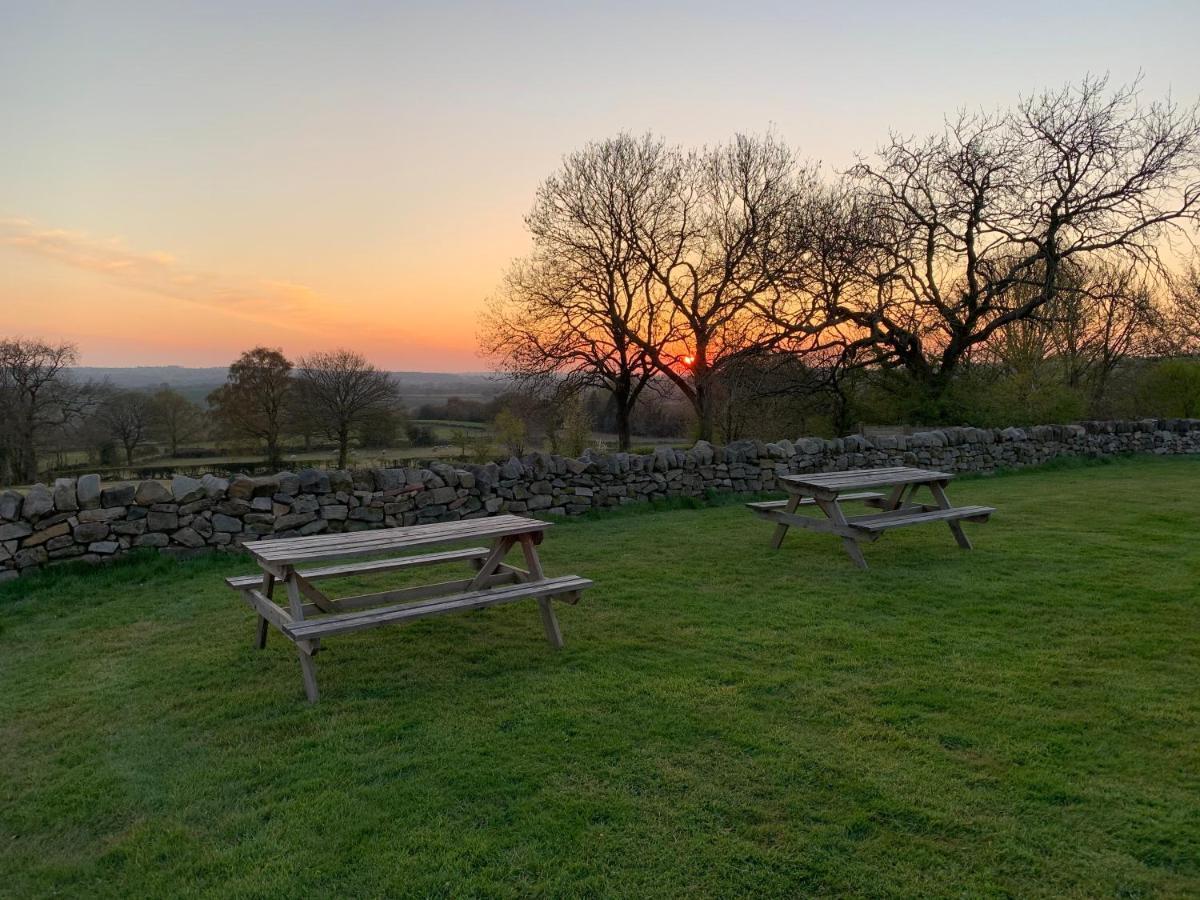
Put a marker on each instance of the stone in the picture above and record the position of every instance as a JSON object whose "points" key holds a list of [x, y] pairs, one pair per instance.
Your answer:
{"points": [[214, 486], [150, 492], [118, 495], [107, 514], [64, 495], [129, 528], [38, 502], [314, 527], [185, 489], [227, 524], [15, 530], [335, 511], [40, 537], [30, 556], [241, 487], [313, 481], [293, 520], [86, 532], [87, 491], [69, 550], [10, 505], [104, 548], [59, 543], [156, 539], [185, 536], [162, 521]]}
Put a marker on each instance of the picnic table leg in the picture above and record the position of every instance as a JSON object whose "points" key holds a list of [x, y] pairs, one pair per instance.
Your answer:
{"points": [[549, 620], [308, 669], [268, 588], [834, 512], [938, 490], [895, 497], [781, 529]]}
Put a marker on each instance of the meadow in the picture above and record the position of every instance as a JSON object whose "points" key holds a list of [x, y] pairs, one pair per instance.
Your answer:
{"points": [[725, 720]]}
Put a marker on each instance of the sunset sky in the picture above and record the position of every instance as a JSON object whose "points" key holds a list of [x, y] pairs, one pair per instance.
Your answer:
{"points": [[180, 181]]}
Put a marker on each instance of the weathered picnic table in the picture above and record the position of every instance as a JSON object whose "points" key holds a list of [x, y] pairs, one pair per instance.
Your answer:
{"points": [[311, 614], [895, 509]]}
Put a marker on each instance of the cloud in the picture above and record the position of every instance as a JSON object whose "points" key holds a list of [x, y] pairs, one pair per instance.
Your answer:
{"points": [[162, 273]]}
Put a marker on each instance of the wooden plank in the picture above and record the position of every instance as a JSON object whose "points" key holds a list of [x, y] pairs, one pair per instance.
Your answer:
{"points": [[278, 549], [781, 530], [419, 592], [349, 622], [902, 518], [319, 599], [943, 502], [359, 543], [352, 537], [811, 523], [488, 567], [862, 478], [809, 501], [849, 542], [266, 608], [385, 545], [268, 588], [536, 574], [241, 582]]}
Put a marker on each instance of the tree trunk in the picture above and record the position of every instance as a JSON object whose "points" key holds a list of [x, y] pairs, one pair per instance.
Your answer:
{"points": [[128, 454], [25, 464], [624, 410], [343, 447], [703, 404], [273, 460]]}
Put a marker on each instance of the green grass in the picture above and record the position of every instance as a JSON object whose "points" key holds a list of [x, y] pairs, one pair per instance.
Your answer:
{"points": [[1022, 720]]}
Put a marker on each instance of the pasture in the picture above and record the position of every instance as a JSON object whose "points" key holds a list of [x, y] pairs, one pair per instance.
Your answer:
{"points": [[725, 720]]}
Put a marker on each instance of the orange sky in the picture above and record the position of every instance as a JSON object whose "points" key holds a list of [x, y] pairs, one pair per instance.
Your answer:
{"points": [[179, 182]]}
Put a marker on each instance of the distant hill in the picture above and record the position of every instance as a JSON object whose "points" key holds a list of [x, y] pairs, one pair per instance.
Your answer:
{"points": [[195, 383]]}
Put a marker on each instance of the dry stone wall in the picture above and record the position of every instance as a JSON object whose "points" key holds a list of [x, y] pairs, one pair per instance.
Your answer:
{"points": [[82, 519]]}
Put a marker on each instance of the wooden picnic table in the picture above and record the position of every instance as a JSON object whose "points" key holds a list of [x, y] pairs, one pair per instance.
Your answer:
{"points": [[311, 614], [898, 508]]}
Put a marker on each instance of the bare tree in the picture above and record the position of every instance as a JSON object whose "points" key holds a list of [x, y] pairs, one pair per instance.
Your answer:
{"points": [[719, 242], [1183, 316], [977, 225], [178, 418], [1097, 320], [255, 398], [126, 417], [569, 310], [37, 397], [343, 391]]}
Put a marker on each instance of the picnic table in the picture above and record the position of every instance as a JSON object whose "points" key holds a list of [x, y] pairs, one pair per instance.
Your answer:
{"points": [[312, 615], [897, 508]]}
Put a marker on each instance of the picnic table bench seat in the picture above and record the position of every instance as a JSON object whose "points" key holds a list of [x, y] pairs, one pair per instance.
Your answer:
{"points": [[311, 614], [868, 497], [344, 623], [919, 516], [246, 582]]}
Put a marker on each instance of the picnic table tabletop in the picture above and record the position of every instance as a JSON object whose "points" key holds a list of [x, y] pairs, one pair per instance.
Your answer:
{"points": [[855, 479], [275, 554]]}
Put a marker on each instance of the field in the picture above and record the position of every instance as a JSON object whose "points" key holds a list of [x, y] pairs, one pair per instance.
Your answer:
{"points": [[726, 720]]}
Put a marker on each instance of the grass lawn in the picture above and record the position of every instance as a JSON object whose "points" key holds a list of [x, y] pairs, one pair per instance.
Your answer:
{"points": [[726, 720]]}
